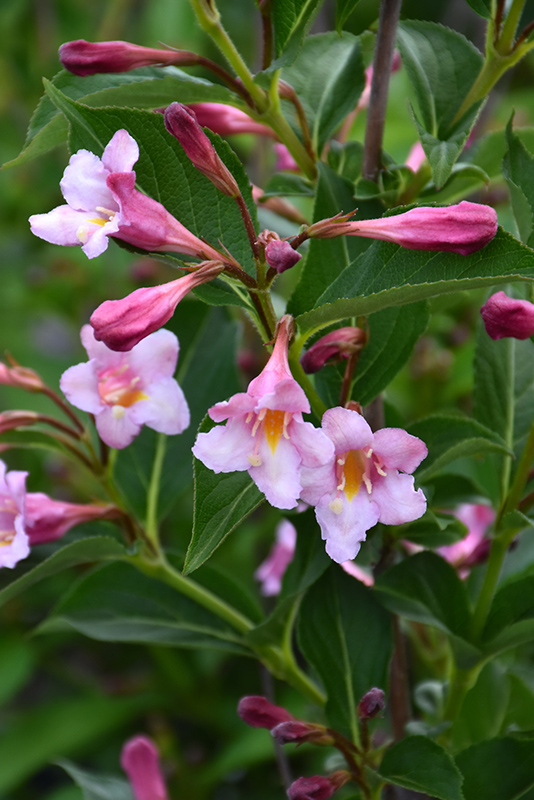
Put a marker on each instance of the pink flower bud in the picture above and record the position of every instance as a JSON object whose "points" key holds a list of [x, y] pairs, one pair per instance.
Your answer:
{"points": [[182, 123], [297, 732], [140, 761], [371, 704], [121, 324], [227, 120], [284, 159], [317, 787], [89, 58], [338, 344], [146, 224], [463, 228], [11, 420], [503, 316], [21, 378], [258, 712], [47, 519], [281, 256]]}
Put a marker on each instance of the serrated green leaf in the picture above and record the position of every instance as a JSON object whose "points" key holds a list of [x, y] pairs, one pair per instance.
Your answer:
{"points": [[497, 769], [344, 9], [291, 21], [96, 786], [346, 637], [511, 618], [288, 185], [518, 169], [388, 275], [434, 530], [482, 7], [421, 764]]}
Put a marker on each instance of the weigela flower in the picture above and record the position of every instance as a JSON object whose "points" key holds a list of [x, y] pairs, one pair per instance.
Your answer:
{"points": [[227, 120], [474, 547], [371, 704], [102, 201], [14, 544], [48, 519], [363, 485], [89, 58], [318, 787], [341, 343], [258, 712], [140, 761], [127, 390], [280, 255], [504, 316], [265, 433], [272, 570]]}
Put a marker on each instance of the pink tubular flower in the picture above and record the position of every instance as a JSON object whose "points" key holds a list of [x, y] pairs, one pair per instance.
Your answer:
{"points": [[121, 324], [272, 570], [258, 712], [102, 201], [14, 544], [227, 120], [474, 547], [362, 485], [265, 433], [318, 787], [140, 761], [503, 316], [463, 228], [284, 159], [48, 520], [88, 58], [338, 344], [127, 390]]}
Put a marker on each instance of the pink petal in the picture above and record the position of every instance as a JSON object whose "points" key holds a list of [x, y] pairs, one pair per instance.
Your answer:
{"points": [[140, 761], [314, 447], [121, 153], [104, 357], [97, 241], [116, 428], [317, 482], [397, 499], [84, 183], [347, 429], [345, 531], [398, 449], [79, 384], [155, 356], [226, 447], [239, 405], [278, 475], [285, 395], [165, 410], [61, 225]]}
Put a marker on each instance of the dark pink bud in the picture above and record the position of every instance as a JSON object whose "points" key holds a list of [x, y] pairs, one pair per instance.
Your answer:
{"points": [[89, 58], [182, 123], [227, 120], [463, 228], [47, 519], [503, 316], [121, 324], [140, 761], [258, 712], [317, 787], [338, 344], [371, 704], [281, 256], [296, 732]]}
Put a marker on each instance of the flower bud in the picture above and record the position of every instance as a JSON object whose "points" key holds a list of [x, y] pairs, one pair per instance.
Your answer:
{"points": [[88, 58], [296, 732], [140, 761], [338, 344], [281, 256], [463, 228], [258, 712], [182, 123], [48, 520], [11, 420], [227, 120], [318, 787], [371, 704], [121, 324], [21, 378], [284, 159], [503, 316]]}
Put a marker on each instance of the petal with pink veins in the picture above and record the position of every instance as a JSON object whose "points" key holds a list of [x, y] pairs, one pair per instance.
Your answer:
{"points": [[399, 449], [347, 429], [397, 499]]}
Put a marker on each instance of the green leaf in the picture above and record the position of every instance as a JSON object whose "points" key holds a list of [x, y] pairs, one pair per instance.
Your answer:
{"points": [[520, 711], [97, 786], [84, 551], [449, 437], [434, 530], [483, 711], [482, 7], [388, 275], [511, 618], [344, 9], [291, 21], [421, 764], [494, 383], [287, 185], [166, 174], [118, 604], [346, 636], [497, 769], [425, 588], [16, 665], [222, 501], [144, 88], [518, 169], [328, 77]]}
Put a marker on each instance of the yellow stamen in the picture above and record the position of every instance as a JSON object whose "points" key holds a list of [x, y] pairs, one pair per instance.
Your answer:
{"points": [[354, 473], [275, 428]]}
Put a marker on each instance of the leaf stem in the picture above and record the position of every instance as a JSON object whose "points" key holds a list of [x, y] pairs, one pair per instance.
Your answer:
{"points": [[151, 523], [505, 41]]}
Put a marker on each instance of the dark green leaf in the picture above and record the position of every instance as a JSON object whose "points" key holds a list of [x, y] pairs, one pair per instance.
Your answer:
{"points": [[482, 7], [344, 9], [96, 786], [434, 530], [520, 711], [291, 21], [288, 185], [518, 169], [346, 636], [497, 769], [419, 763], [494, 383], [427, 589], [483, 711], [511, 618]]}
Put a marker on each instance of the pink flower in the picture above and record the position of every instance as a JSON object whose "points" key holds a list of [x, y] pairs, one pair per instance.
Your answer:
{"points": [[121, 324], [127, 390], [284, 159], [227, 120], [14, 544], [258, 712], [503, 316], [318, 787], [371, 704], [265, 433], [102, 201], [272, 570], [338, 344], [357, 572], [88, 58], [474, 547], [140, 761], [416, 156], [363, 485], [463, 228], [48, 520], [280, 255], [21, 377]]}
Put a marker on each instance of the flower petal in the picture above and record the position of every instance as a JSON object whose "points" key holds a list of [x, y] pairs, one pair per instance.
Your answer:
{"points": [[121, 153], [155, 356], [116, 427], [225, 448], [314, 447], [61, 225], [165, 410], [397, 499], [278, 475], [347, 429], [238, 405], [79, 384], [398, 449], [345, 531], [317, 482], [84, 183]]}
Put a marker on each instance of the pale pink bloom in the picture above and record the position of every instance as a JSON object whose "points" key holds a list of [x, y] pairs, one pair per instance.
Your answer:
{"points": [[362, 485], [48, 520], [88, 58], [227, 120], [474, 547], [14, 545], [121, 324], [504, 316], [265, 433], [357, 572], [416, 156], [272, 570], [127, 390], [140, 761], [102, 201], [462, 228]]}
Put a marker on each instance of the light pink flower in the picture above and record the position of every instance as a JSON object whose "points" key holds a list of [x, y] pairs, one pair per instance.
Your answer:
{"points": [[102, 201], [14, 545], [272, 570], [265, 433], [362, 485], [140, 761], [504, 316], [127, 390], [48, 520], [416, 156], [474, 547]]}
